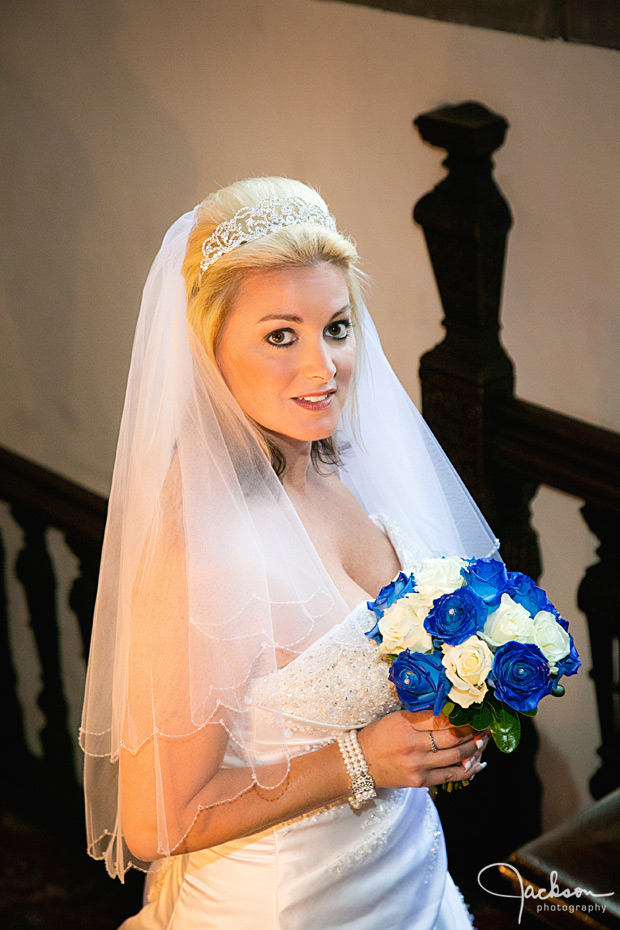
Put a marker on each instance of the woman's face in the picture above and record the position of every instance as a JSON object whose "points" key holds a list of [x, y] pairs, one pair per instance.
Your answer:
{"points": [[287, 350]]}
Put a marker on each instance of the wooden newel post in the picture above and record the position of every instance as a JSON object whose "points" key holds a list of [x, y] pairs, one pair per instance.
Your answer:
{"points": [[466, 221], [467, 380]]}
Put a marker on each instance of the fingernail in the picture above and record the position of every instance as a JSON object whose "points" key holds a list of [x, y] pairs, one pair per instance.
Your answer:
{"points": [[482, 741], [467, 763], [480, 766]]}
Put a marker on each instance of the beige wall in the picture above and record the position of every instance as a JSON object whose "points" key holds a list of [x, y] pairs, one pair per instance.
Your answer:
{"points": [[121, 114]]}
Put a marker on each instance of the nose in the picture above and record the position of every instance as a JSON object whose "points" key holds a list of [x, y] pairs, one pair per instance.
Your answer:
{"points": [[318, 364]]}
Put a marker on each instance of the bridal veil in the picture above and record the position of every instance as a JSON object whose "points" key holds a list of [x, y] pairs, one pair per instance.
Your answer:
{"points": [[208, 579]]}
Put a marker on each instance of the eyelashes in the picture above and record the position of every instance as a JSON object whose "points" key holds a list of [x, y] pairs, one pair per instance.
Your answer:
{"points": [[280, 338], [273, 339], [343, 327]]}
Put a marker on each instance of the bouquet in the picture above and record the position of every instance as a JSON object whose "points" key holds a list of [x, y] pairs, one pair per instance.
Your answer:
{"points": [[472, 641]]}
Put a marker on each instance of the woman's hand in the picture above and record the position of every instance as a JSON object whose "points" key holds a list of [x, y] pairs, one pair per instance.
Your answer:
{"points": [[400, 754]]}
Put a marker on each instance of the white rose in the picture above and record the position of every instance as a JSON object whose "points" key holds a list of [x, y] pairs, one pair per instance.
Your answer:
{"points": [[402, 626], [435, 577], [467, 666], [509, 621], [550, 637]]}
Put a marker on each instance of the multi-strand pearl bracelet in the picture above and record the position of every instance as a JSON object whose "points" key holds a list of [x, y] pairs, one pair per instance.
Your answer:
{"points": [[362, 782]]}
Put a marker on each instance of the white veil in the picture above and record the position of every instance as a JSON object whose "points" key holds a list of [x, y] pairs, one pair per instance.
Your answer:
{"points": [[208, 578]]}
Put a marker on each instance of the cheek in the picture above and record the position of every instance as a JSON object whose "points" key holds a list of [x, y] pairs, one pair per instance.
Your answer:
{"points": [[255, 379], [345, 365]]}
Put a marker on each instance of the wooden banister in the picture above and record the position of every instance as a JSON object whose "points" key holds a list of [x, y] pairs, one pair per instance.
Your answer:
{"points": [[46, 878], [559, 451], [62, 503], [505, 447]]}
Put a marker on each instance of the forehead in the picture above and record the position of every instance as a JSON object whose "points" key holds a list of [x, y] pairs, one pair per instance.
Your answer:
{"points": [[305, 291]]}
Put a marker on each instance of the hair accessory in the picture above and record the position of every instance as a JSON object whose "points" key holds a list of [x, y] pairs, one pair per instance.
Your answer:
{"points": [[434, 746], [267, 216], [362, 782]]}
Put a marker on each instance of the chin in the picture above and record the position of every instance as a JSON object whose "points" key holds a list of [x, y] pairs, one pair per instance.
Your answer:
{"points": [[318, 431], [309, 434]]}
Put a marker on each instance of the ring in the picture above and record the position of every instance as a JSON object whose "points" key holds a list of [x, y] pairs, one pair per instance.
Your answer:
{"points": [[434, 746]]}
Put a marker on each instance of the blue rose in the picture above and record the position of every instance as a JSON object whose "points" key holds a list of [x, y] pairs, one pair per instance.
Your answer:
{"points": [[455, 617], [570, 664], [420, 680], [527, 593], [488, 578], [392, 592], [521, 676]]}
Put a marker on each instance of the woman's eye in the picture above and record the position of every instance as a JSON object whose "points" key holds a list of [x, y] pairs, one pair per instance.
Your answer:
{"points": [[280, 337], [339, 329]]}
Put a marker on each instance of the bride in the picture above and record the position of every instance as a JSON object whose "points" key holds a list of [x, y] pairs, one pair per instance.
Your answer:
{"points": [[243, 744]]}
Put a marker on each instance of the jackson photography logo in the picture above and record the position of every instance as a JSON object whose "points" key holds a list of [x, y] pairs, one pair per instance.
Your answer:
{"points": [[548, 899]]}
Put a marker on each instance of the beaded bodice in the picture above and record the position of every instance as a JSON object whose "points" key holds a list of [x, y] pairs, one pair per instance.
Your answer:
{"points": [[342, 679]]}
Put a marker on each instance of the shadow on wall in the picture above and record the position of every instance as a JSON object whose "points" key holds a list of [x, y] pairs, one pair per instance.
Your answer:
{"points": [[96, 169], [558, 805]]}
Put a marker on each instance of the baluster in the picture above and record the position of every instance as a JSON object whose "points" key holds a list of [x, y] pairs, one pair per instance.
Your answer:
{"points": [[599, 598], [466, 221], [466, 380], [35, 571], [84, 587], [15, 749]]}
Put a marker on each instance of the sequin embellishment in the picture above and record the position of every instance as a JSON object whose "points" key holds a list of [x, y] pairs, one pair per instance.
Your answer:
{"points": [[378, 832], [434, 834], [341, 680]]}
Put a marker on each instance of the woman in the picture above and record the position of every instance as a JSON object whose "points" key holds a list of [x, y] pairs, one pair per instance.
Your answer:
{"points": [[243, 742]]}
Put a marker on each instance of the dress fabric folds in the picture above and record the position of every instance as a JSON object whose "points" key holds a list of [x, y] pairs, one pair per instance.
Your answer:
{"points": [[383, 866]]}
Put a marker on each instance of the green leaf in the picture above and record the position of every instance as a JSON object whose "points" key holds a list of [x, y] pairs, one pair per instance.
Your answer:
{"points": [[506, 726], [448, 707], [461, 716], [482, 717], [529, 713]]}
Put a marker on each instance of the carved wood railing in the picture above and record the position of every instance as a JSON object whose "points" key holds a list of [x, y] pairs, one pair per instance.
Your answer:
{"points": [[46, 878], [39, 500], [503, 447]]}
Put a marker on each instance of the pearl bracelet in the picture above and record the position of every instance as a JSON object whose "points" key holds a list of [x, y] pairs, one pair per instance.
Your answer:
{"points": [[362, 782]]}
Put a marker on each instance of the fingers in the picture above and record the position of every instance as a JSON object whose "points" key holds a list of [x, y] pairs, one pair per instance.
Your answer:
{"points": [[450, 737], [454, 755], [458, 763], [441, 776], [401, 755], [466, 752]]}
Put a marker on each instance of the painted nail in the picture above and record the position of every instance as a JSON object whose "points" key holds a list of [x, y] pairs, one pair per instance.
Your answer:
{"points": [[482, 741], [480, 766], [467, 763]]}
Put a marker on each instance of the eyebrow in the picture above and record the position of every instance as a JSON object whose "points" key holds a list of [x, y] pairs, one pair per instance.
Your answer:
{"points": [[291, 318]]}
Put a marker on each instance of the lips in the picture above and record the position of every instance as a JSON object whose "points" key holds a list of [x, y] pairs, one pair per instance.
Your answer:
{"points": [[315, 401]]}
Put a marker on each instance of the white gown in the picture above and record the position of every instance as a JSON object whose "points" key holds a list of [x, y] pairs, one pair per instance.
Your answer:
{"points": [[380, 868]]}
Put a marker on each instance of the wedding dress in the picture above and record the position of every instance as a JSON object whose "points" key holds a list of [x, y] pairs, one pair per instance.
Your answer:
{"points": [[382, 867]]}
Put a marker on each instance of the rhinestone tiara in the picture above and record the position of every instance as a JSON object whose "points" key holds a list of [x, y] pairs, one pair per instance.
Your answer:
{"points": [[265, 217]]}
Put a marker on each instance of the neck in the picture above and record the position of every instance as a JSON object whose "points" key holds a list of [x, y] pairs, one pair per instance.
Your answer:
{"points": [[298, 463]]}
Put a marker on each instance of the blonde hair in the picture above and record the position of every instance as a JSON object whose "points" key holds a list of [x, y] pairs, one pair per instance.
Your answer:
{"points": [[211, 294]]}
